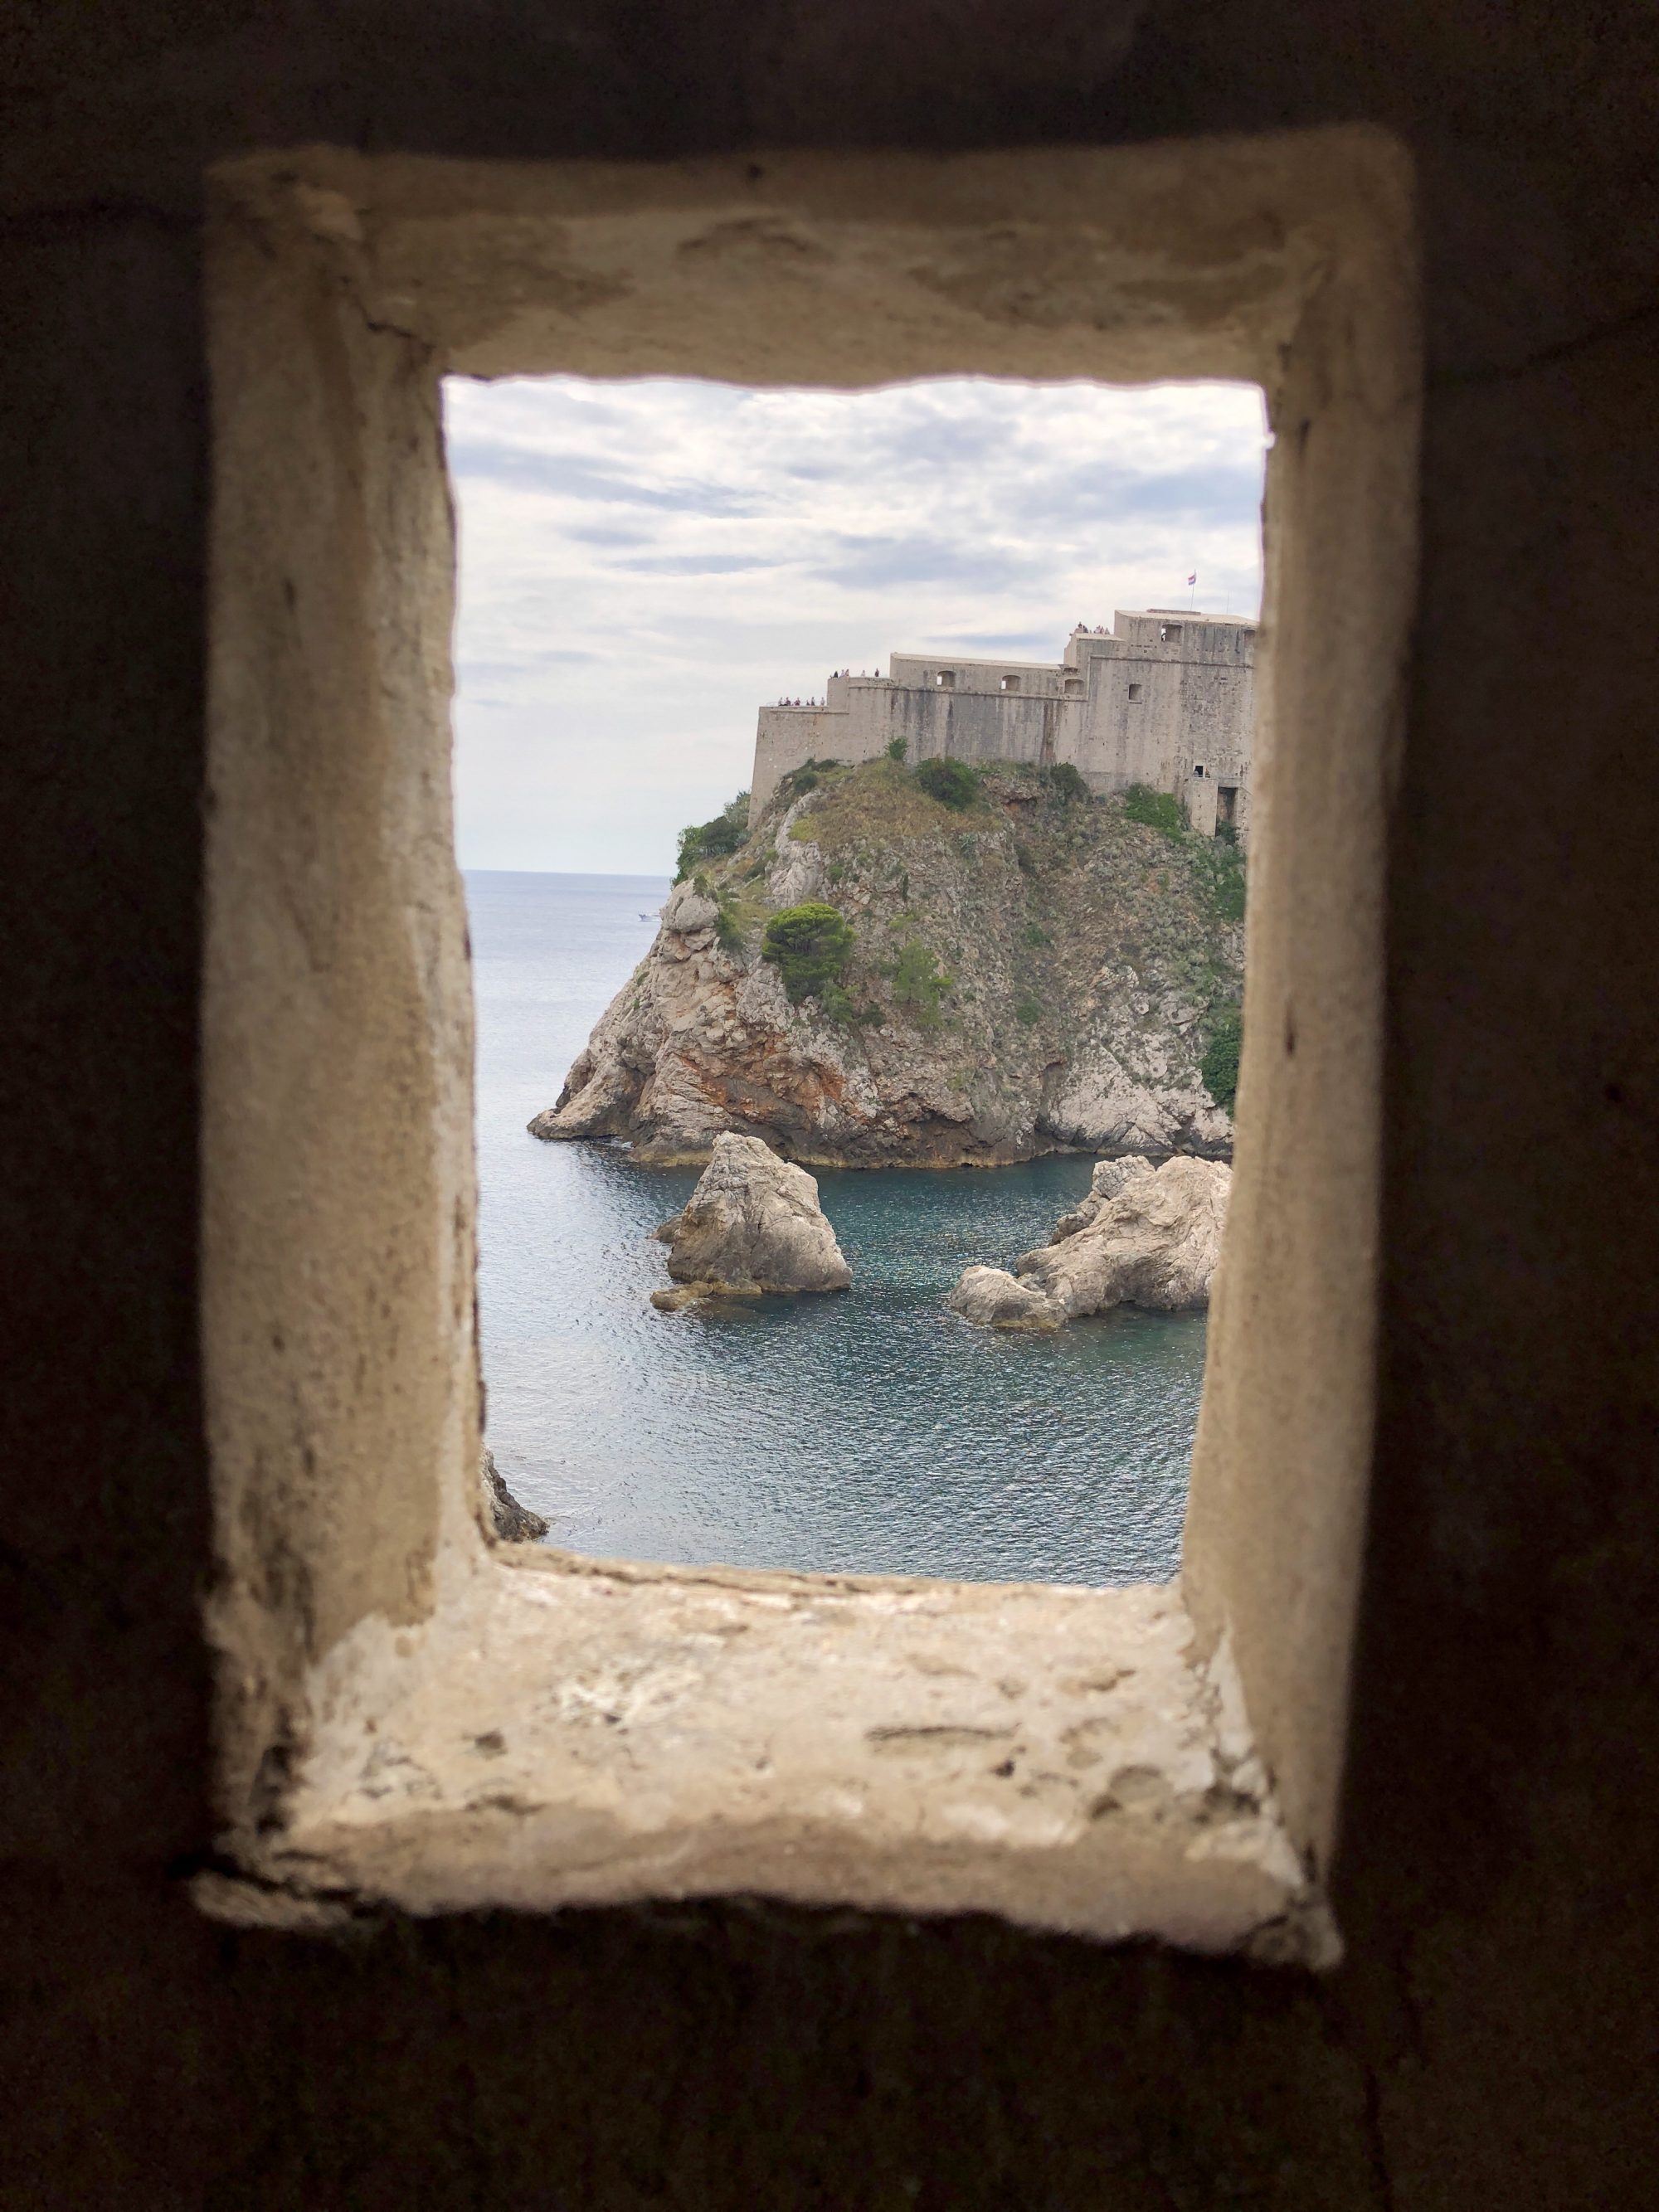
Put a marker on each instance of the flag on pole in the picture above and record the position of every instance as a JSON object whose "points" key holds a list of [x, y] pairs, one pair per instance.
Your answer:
{"points": [[1193, 578]]}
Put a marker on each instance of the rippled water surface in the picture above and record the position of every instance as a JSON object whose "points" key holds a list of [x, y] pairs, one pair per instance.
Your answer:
{"points": [[872, 1432]]}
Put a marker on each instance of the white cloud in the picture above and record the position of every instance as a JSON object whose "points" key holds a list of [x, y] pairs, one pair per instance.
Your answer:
{"points": [[642, 563]]}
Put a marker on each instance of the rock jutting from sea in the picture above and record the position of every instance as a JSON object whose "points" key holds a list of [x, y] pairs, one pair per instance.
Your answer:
{"points": [[752, 1226], [505, 1517], [1019, 969], [1143, 1236]]}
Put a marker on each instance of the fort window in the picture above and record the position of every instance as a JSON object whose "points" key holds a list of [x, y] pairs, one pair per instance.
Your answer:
{"points": [[1169, 633], [1010, 682], [409, 1715], [1134, 694], [1073, 687], [946, 679], [1197, 768]]}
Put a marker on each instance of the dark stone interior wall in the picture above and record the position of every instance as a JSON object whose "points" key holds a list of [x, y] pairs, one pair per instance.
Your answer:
{"points": [[1486, 2043]]}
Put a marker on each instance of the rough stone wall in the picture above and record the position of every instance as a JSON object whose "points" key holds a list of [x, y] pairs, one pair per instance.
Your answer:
{"points": [[1488, 2038]]}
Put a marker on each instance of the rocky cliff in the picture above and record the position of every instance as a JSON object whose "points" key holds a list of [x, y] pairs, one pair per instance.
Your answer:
{"points": [[1028, 969]]}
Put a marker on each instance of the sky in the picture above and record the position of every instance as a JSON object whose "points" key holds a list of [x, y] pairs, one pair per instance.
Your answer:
{"points": [[644, 562]]}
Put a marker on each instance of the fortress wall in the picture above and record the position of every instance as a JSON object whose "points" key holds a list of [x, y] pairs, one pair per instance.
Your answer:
{"points": [[870, 724], [1216, 708], [1196, 703], [1040, 678], [1190, 709], [785, 737], [1132, 740], [1216, 715], [1199, 639], [978, 725]]}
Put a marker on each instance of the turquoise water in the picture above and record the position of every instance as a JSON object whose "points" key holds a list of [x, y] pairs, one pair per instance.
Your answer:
{"points": [[872, 1432]]}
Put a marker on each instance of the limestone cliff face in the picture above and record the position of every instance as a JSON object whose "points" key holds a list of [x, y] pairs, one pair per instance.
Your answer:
{"points": [[1028, 974]]}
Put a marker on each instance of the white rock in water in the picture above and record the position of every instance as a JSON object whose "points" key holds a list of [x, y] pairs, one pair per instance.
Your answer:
{"points": [[1108, 1178], [1155, 1244], [1143, 1236], [995, 1299], [754, 1222]]}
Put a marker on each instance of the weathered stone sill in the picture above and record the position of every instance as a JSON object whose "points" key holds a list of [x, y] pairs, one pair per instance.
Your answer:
{"points": [[566, 1732]]}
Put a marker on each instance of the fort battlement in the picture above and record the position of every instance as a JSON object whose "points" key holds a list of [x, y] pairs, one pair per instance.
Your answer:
{"points": [[1166, 697]]}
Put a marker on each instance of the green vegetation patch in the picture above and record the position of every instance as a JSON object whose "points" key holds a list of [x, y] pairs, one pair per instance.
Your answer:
{"points": [[919, 983], [797, 781], [1220, 870], [715, 840], [952, 782], [840, 1006], [810, 944], [1066, 782], [1219, 1065], [1156, 810], [876, 805]]}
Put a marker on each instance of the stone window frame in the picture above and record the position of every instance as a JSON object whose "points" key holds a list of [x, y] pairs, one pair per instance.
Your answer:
{"points": [[411, 1717]]}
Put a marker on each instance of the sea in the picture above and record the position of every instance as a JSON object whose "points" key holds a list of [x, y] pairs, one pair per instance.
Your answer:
{"points": [[869, 1432]]}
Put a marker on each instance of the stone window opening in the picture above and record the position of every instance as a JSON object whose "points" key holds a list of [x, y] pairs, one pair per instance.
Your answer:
{"points": [[1169, 633], [1134, 695], [1073, 687], [1010, 682], [411, 1717], [1197, 768], [946, 680]]}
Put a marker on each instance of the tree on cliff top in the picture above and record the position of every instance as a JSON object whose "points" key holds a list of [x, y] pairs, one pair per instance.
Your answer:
{"points": [[810, 944], [712, 841]]}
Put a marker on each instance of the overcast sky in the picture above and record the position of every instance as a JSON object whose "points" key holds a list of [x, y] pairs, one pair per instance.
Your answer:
{"points": [[643, 563]]}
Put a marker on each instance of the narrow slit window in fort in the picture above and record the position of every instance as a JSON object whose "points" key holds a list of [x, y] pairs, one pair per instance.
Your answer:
{"points": [[826, 1129]]}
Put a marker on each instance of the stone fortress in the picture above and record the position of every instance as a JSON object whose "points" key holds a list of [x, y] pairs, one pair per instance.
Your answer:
{"points": [[1166, 697]]}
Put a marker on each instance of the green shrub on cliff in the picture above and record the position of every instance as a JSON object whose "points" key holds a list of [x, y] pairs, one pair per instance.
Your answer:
{"points": [[712, 841], [810, 944], [1066, 782], [898, 748], [841, 1006], [952, 782], [919, 982], [797, 781], [1219, 1065], [1156, 810], [1221, 871]]}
